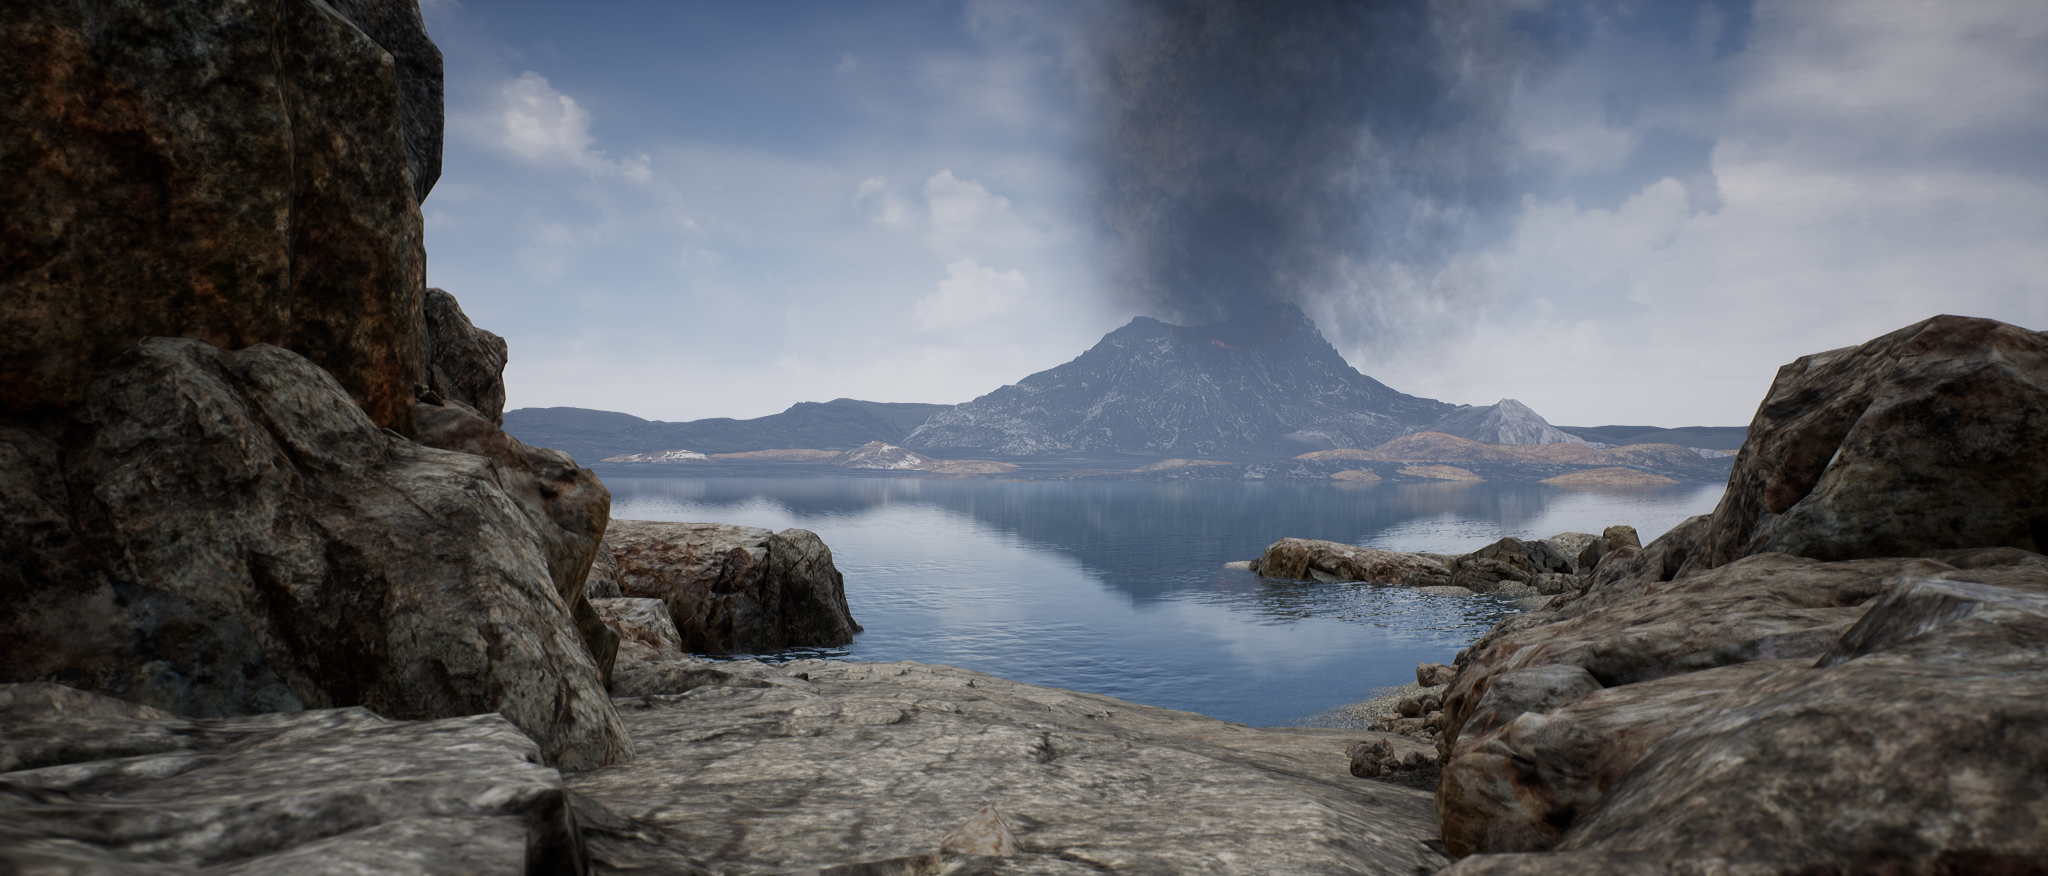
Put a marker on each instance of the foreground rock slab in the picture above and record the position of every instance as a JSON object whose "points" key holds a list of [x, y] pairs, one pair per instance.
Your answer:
{"points": [[832, 764], [90, 784]]}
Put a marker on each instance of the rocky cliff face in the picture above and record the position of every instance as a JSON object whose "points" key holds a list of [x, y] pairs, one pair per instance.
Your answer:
{"points": [[1504, 422], [224, 170], [1263, 383]]}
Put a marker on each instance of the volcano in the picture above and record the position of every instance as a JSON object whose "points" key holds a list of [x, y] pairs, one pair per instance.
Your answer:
{"points": [[1265, 383]]}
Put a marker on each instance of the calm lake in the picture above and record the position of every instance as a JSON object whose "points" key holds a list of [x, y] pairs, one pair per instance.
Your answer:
{"points": [[1118, 587]]}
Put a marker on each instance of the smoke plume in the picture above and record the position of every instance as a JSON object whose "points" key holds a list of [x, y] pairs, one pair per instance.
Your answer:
{"points": [[1351, 157]]}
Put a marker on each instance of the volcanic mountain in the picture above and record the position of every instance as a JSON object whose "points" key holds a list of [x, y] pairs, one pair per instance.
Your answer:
{"points": [[1264, 383]]}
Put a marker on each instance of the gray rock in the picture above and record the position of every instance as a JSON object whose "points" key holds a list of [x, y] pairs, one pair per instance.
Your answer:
{"points": [[1487, 575], [1610, 539], [226, 532], [222, 170], [645, 621], [1504, 422], [872, 763], [1433, 674], [1932, 437], [96, 785], [464, 363], [569, 506], [604, 581], [1917, 757], [735, 588]]}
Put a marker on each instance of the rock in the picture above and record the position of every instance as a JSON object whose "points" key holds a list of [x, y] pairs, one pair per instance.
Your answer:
{"points": [[1165, 464], [1932, 437], [661, 456], [221, 533], [1356, 476], [396, 27], [1610, 539], [98, 785], [1570, 545], [878, 454], [1521, 783], [985, 834], [464, 363], [867, 763], [225, 171], [571, 506], [1916, 757], [1484, 575], [1433, 674], [1553, 583], [645, 621], [604, 581], [735, 588], [1329, 561]]}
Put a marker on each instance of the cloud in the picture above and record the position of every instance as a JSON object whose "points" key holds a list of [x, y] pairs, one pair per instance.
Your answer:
{"points": [[966, 217], [882, 205], [542, 125], [971, 293]]}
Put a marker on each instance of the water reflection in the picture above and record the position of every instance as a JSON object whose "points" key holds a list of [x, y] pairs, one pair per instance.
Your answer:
{"points": [[1119, 587]]}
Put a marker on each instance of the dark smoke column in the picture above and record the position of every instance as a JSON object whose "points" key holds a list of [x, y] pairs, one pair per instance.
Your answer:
{"points": [[1251, 152]]}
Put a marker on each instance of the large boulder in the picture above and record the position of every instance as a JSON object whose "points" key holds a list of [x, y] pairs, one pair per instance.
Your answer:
{"points": [[1329, 561], [1913, 750], [570, 507], [220, 533], [464, 363], [91, 784], [735, 588], [396, 27], [1932, 437], [226, 170]]}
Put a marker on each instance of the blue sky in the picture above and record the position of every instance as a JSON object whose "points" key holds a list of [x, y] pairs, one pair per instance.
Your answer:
{"points": [[695, 209]]}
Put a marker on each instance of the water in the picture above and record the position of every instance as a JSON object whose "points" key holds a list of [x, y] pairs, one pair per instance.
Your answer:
{"points": [[1118, 587]]}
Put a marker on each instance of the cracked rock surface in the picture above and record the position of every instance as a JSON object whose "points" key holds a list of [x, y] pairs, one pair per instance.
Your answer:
{"points": [[833, 764]]}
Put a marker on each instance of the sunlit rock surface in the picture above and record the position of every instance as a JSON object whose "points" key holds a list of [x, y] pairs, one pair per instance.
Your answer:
{"points": [[735, 588]]}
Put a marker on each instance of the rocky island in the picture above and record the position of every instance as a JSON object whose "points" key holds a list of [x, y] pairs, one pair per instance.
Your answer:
{"points": [[280, 594]]}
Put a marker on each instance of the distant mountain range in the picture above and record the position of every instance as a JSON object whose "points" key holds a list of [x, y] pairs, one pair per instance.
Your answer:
{"points": [[1265, 383], [839, 424]]}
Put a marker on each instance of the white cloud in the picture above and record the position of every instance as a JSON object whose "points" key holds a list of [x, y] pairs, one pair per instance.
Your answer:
{"points": [[967, 218], [541, 125], [971, 293], [882, 205]]}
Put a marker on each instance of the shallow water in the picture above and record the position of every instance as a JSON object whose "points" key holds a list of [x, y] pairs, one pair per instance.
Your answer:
{"points": [[1118, 587]]}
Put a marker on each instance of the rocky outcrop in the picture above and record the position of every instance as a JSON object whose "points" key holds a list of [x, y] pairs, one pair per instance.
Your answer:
{"points": [[735, 588], [568, 505], [660, 456], [880, 455], [1902, 750], [91, 784], [1610, 477], [396, 27], [464, 363], [644, 621], [225, 171], [1330, 561], [1932, 437], [220, 533], [1504, 422], [872, 767]]}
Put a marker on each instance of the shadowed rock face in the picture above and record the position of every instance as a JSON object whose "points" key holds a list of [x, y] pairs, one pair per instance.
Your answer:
{"points": [[396, 27], [224, 170], [464, 363], [223, 533], [1932, 437]]}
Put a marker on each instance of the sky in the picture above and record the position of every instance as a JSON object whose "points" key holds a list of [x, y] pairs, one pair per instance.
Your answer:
{"points": [[1615, 212]]}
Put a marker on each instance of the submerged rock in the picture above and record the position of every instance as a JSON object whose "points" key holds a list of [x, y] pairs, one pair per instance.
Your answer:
{"points": [[1330, 561]]}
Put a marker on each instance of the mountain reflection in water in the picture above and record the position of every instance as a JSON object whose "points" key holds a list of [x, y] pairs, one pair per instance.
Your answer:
{"points": [[1118, 587]]}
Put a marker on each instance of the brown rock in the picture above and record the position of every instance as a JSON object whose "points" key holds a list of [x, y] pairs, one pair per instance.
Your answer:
{"points": [[1441, 473], [1485, 575], [1330, 561], [735, 588], [1356, 476], [220, 170], [604, 581], [464, 363], [1433, 674], [1932, 437], [645, 621], [1611, 477], [224, 533], [1609, 540], [396, 27]]}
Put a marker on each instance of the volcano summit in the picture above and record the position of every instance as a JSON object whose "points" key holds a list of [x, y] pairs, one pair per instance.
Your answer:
{"points": [[1264, 383]]}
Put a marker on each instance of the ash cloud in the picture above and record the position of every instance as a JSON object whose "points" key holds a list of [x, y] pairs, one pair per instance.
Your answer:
{"points": [[1354, 158]]}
